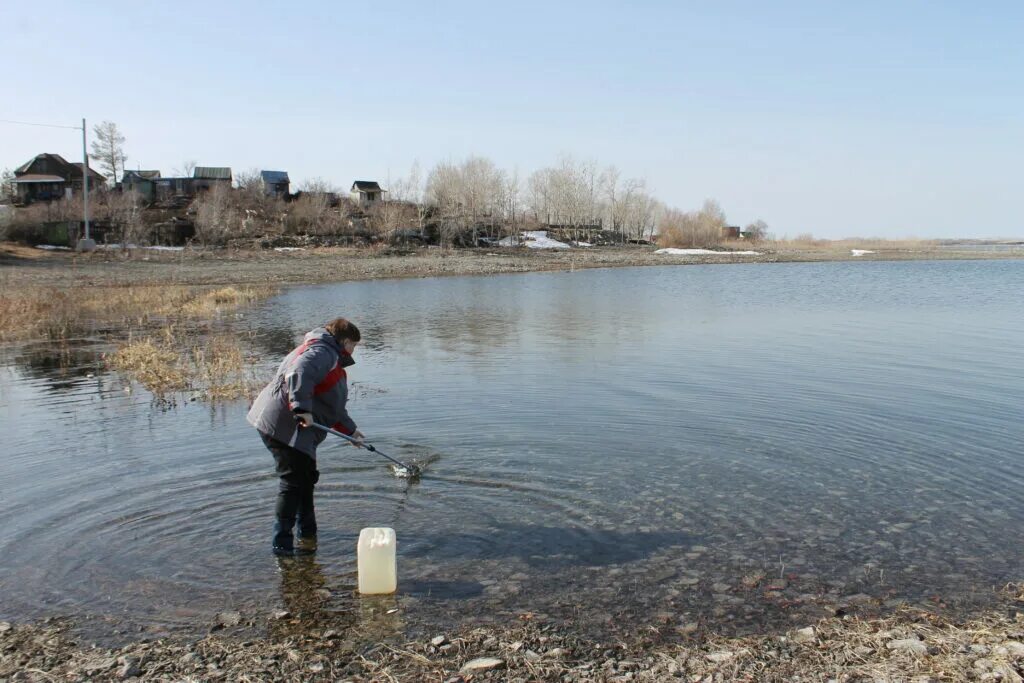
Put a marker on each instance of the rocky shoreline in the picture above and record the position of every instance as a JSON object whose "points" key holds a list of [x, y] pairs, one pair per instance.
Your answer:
{"points": [[910, 645]]}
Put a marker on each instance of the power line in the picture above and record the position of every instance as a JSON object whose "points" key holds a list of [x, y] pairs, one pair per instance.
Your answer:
{"points": [[41, 125]]}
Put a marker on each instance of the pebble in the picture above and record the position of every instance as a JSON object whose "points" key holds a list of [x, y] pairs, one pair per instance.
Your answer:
{"points": [[282, 614], [438, 641], [129, 668], [751, 580], [481, 664], [912, 645], [229, 618], [719, 657], [804, 635], [1014, 648]]}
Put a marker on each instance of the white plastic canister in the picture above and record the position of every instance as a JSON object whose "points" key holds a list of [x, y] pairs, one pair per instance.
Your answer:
{"points": [[375, 557]]}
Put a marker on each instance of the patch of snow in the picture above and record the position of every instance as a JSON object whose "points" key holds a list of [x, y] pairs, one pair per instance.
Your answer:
{"points": [[535, 239], [289, 249], [701, 252], [583, 244], [160, 247], [860, 252], [51, 247]]}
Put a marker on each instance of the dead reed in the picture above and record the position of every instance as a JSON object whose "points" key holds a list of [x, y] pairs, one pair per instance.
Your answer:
{"points": [[62, 313], [213, 367]]}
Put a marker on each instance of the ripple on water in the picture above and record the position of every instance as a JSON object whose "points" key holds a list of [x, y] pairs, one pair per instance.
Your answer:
{"points": [[729, 444]]}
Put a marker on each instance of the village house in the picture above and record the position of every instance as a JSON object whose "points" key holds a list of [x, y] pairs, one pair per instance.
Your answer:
{"points": [[275, 183], [178, 186], [140, 182], [365, 193], [50, 176], [207, 177]]}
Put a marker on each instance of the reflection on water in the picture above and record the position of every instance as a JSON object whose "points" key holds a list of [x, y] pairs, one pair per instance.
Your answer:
{"points": [[731, 445]]}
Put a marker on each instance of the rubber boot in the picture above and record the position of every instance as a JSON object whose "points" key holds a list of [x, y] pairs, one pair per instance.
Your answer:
{"points": [[306, 545]]}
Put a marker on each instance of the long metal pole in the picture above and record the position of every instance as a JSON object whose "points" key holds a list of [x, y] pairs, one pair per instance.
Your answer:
{"points": [[85, 183]]}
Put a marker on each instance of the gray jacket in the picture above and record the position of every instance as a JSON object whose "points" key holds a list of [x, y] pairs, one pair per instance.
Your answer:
{"points": [[311, 379]]}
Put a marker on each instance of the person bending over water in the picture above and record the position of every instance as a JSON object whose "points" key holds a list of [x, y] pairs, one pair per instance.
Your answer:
{"points": [[310, 386]]}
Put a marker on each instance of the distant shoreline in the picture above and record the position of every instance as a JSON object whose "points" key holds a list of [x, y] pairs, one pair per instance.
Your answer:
{"points": [[23, 266]]}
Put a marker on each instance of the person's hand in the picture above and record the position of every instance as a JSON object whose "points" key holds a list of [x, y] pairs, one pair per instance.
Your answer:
{"points": [[304, 419], [359, 437]]}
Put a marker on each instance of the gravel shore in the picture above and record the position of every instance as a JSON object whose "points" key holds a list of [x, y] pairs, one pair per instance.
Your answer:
{"points": [[908, 646]]}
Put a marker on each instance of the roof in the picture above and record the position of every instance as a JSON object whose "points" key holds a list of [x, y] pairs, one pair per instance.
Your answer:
{"points": [[148, 175], [92, 171], [212, 172], [57, 157], [274, 176], [38, 178], [366, 186]]}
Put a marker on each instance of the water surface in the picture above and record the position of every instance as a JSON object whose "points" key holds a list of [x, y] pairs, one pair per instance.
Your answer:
{"points": [[738, 445]]}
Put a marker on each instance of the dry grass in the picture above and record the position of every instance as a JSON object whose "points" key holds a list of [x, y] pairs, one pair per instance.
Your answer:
{"points": [[214, 367], [220, 370], [61, 313], [154, 365]]}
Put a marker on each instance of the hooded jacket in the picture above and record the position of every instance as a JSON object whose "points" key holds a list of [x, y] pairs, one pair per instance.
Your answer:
{"points": [[311, 379]]}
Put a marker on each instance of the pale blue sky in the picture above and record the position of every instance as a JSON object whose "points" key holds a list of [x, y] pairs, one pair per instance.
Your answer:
{"points": [[836, 118]]}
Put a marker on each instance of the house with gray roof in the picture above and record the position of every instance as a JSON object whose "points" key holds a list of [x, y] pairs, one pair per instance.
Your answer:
{"points": [[365, 193], [140, 182], [208, 177], [275, 183]]}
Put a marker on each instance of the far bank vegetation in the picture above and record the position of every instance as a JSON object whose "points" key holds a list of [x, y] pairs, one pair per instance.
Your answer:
{"points": [[471, 202]]}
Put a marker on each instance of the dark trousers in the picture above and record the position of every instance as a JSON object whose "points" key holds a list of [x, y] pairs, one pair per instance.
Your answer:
{"points": [[298, 475]]}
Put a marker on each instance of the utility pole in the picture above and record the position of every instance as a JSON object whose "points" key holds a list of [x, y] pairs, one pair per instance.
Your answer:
{"points": [[86, 243]]}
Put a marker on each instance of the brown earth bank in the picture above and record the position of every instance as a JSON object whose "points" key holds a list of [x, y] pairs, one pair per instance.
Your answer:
{"points": [[25, 266], [910, 645]]}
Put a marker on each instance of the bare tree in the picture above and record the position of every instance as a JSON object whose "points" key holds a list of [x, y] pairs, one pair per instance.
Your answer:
{"points": [[108, 149], [186, 169], [249, 181], [388, 218], [467, 197], [216, 218], [756, 231], [7, 187], [694, 229], [125, 211]]}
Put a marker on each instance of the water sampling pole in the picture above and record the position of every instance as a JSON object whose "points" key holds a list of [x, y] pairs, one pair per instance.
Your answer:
{"points": [[412, 471]]}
